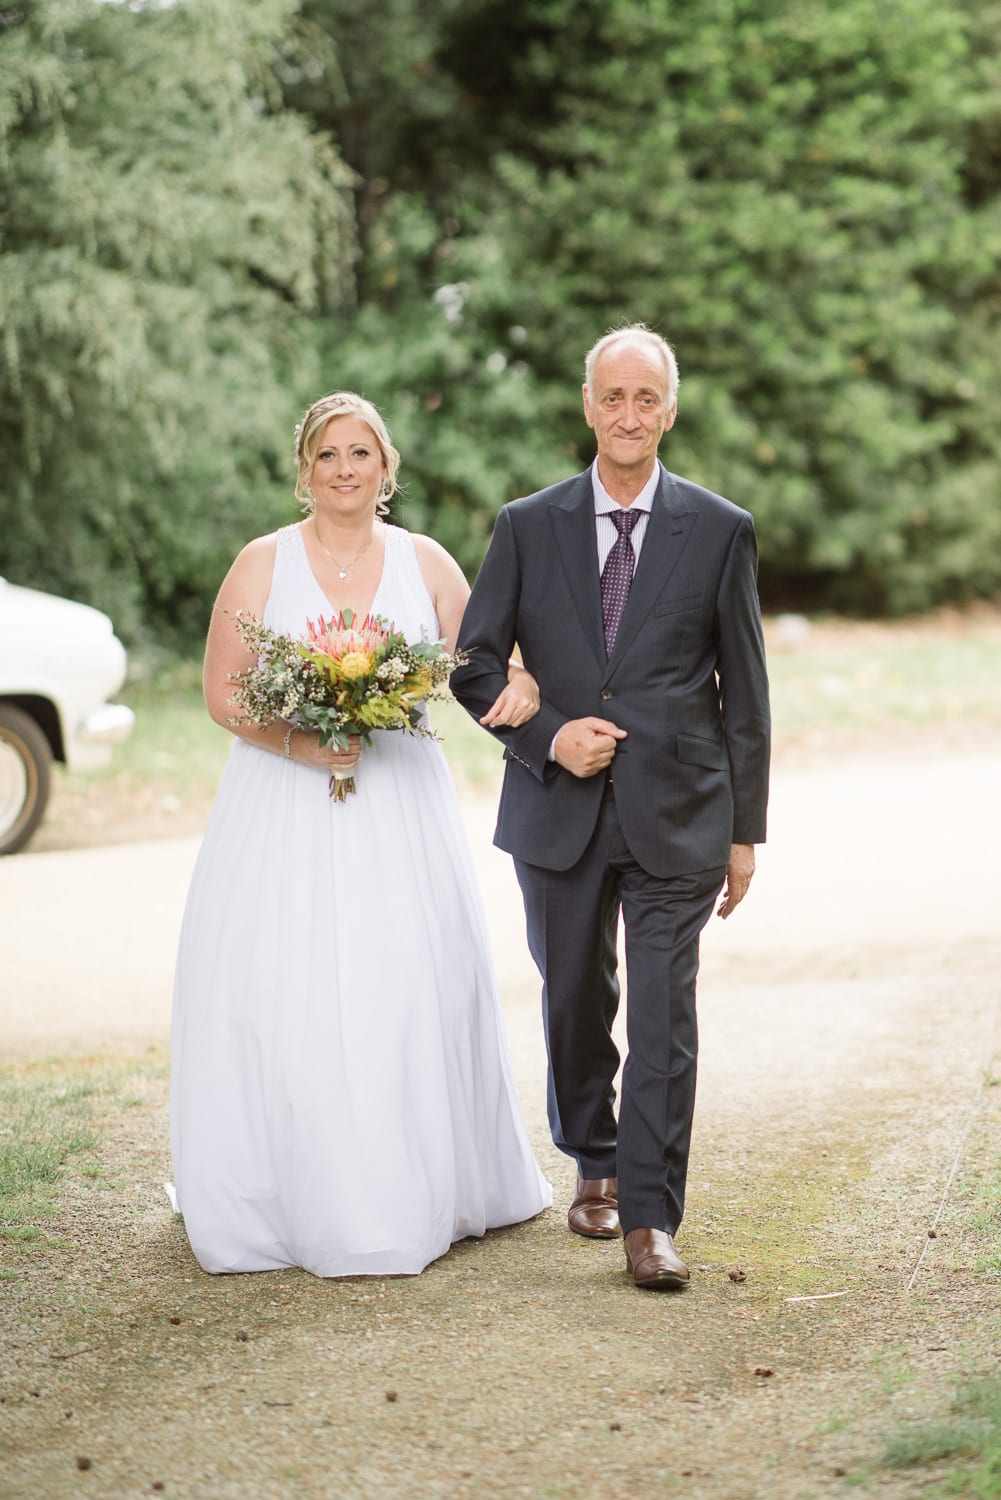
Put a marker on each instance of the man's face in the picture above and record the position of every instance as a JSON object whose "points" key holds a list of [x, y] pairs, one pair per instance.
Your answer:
{"points": [[628, 406]]}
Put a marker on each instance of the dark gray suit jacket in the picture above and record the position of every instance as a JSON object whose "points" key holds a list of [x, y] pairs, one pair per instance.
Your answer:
{"points": [[687, 677]]}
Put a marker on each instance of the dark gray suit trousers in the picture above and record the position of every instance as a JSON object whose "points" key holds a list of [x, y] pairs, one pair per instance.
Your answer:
{"points": [[572, 920]]}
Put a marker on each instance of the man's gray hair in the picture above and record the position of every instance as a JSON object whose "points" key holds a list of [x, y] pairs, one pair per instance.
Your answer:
{"points": [[635, 333]]}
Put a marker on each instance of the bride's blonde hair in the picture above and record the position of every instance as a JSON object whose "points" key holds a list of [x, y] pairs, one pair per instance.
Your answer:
{"points": [[309, 434]]}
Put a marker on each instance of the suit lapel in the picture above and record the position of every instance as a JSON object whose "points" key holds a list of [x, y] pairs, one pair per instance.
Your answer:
{"points": [[573, 529], [667, 533]]}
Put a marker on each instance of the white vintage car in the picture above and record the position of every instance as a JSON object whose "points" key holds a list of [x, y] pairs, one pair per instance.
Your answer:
{"points": [[59, 664]]}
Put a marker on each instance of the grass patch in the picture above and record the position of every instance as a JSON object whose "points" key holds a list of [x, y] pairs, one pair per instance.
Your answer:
{"points": [[987, 1221], [865, 679], [46, 1121], [970, 1441], [174, 740], [49, 1113], [777, 1228], [965, 1446]]}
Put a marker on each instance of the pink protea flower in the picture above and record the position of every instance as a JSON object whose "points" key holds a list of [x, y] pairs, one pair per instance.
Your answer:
{"points": [[339, 635], [342, 651]]}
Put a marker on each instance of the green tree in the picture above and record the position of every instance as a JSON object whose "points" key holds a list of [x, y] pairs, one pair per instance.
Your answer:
{"points": [[167, 231], [804, 200], [471, 416]]}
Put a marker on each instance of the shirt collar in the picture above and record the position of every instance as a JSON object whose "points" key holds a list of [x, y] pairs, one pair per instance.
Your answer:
{"points": [[603, 501]]}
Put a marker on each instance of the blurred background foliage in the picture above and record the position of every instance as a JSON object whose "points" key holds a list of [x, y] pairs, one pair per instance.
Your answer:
{"points": [[212, 211]]}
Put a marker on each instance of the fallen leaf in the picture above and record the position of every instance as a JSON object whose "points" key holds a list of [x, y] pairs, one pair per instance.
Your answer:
{"points": [[817, 1297]]}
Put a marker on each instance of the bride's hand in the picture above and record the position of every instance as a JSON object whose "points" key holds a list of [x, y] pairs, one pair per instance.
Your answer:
{"points": [[518, 702], [344, 760], [308, 751]]}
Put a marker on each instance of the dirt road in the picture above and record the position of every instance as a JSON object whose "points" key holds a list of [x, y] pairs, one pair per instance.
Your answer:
{"points": [[846, 1099]]}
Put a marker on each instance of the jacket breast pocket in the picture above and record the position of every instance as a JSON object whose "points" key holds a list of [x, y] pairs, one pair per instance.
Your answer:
{"points": [[676, 605], [695, 751]]}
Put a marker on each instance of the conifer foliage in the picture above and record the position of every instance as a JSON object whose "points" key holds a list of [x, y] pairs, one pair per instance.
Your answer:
{"points": [[166, 226]]}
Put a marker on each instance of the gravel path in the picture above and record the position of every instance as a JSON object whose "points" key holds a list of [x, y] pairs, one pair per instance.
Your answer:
{"points": [[849, 1055]]}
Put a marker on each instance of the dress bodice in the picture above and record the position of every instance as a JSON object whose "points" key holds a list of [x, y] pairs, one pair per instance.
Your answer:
{"points": [[401, 597]]}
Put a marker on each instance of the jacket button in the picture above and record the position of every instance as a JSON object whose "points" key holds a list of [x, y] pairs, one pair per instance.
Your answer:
{"points": [[606, 694]]}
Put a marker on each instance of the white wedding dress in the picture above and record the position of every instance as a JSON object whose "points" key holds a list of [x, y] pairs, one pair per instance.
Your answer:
{"points": [[341, 1096]]}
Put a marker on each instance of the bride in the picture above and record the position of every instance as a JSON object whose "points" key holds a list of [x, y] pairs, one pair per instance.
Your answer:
{"points": [[341, 1095]]}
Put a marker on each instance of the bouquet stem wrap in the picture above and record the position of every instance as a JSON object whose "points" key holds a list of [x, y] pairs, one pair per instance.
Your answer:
{"points": [[342, 785]]}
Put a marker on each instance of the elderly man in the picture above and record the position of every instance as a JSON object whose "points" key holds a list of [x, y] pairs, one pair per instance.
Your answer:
{"points": [[640, 786]]}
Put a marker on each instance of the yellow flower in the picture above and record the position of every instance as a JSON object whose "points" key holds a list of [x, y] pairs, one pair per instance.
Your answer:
{"points": [[419, 683], [355, 664]]}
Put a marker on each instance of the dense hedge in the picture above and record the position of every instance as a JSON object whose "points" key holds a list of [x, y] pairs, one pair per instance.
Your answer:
{"points": [[212, 211]]}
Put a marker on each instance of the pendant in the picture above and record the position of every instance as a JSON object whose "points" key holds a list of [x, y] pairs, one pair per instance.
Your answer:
{"points": [[343, 573]]}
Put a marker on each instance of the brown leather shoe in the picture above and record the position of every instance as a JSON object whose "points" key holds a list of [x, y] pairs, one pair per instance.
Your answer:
{"points": [[653, 1261], [594, 1212]]}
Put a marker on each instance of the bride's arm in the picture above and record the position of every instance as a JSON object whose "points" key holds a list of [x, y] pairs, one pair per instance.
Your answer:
{"points": [[446, 584], [246, 587], [518, 702]]}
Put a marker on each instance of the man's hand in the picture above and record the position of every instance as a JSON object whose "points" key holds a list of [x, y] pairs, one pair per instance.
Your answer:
{"points": [[738, 878], [586, 746]]}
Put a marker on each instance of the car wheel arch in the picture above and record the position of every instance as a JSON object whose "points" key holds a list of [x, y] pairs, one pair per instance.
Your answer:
{"points": [[46, 716]]}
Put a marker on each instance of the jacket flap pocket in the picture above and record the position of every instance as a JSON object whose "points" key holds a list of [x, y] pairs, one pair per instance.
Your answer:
{"points": [[674, 605], [696, 751]]}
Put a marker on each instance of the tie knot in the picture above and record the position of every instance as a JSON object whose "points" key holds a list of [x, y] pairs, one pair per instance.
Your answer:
{"points": [[624, 520]]}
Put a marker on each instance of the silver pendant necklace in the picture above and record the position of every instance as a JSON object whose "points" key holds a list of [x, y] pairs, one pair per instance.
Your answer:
{"points": [[343, 568]]}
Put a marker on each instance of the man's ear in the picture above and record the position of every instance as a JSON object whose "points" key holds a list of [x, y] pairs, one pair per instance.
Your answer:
{"points": [[587, 406]]}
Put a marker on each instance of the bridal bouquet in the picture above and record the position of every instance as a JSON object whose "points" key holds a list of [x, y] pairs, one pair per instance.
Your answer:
{"points": [[340, 679]]}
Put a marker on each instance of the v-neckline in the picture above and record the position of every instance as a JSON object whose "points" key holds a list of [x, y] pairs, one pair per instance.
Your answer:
{"points": [[322, 591]]}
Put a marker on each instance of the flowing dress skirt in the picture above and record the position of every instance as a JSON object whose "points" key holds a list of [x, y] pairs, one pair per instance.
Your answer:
{"points": [[341, 1095]]}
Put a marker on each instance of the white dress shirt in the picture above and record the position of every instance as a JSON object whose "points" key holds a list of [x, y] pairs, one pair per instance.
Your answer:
{"points": [[606, 531]]}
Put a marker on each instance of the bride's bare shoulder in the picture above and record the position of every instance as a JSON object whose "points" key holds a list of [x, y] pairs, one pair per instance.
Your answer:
{"points": [[258, 555], [432, 555], [248, 582]]}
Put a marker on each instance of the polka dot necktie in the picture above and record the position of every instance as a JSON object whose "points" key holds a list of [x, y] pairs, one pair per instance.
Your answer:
{"points": [[617, 574]]}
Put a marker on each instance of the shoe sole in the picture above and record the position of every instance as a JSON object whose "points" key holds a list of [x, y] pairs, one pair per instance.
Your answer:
{"points": [[665, 1283], [595, 1234]]}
